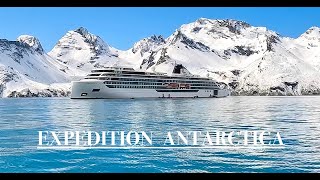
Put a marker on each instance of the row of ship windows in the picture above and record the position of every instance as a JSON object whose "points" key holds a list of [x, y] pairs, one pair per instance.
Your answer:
{"points": [[168, 77], [144, 79], [159, 82], [141, 83], [149, 87], [134, 87]]}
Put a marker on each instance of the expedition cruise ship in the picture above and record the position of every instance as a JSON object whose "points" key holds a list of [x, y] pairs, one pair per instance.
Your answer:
{"points": [[121, 82]]}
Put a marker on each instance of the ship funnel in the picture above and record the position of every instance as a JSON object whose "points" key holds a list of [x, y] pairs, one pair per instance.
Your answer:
{"points": [[180, 69]]}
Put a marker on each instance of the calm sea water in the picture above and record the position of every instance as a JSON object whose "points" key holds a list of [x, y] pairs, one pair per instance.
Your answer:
{"points": [[297, 118]]}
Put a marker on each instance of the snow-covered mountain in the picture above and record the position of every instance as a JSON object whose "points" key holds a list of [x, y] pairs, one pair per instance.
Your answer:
{"points": [[308, 45], [147, 45], [141, 50], [82, 51], [249, 60], [26, 70]]}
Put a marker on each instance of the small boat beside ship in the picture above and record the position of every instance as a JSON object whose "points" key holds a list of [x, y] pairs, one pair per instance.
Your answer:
{"points": [[122, 82]]}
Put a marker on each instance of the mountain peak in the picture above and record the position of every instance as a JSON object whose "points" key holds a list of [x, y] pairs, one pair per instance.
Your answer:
{"points": [[79, 46], [314, 30], [312, 34], [222, 22], [158, 38], [81, 30], [148, 44], [32, 42], [90, 38], [203, 20], [215, 25], [97, 45], [233, 25]]}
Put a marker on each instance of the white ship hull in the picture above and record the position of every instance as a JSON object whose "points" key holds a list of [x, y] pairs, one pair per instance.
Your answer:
{"points": [[95, 89]]}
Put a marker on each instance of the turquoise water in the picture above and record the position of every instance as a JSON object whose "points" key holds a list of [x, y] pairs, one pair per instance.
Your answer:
{"points": [[297, 118]]}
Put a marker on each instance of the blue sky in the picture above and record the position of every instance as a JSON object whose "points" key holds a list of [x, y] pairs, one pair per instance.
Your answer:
{"points": [[122, 27]]}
